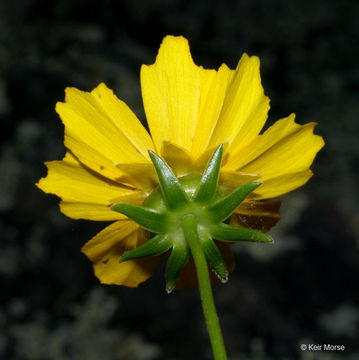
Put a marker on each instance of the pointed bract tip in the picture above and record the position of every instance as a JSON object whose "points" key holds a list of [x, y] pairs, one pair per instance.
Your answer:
{"points": [[219, 150], [122, 259], [256, 184], [223, 279], [169, 289], [153, 155], [269, 239], [116, 207], [263, 238]]}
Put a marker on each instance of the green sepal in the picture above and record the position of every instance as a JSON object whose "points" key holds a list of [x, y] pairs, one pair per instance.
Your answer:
{"points": [[178, 259], [172, 191], [155, 246], [224, 207], [213, 256], [208, 186], [151, 220], [225, 232]]}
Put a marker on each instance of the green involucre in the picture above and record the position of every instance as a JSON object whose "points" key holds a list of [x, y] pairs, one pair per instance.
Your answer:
{"points": [[194, 197]]}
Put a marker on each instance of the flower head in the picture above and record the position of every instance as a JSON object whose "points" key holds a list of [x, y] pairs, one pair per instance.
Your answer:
{"points": [[190, 111]]}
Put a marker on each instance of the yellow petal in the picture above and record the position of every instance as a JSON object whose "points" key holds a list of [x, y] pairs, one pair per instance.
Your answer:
{"points": [[214, 86], [133, 197], [124, 119], [171, 93], [244, 109], [101, 137], [284, 148], [282, 184], [141, 176], [80, 189], [100, 212], [99, 163], [87, 211], [177, 158], [233, 179], [105, 249]]}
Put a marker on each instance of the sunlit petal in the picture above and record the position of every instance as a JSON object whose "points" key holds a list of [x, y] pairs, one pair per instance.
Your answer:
{"points": [[171, 90], [85, 195], [101, 137], [245, 107]]}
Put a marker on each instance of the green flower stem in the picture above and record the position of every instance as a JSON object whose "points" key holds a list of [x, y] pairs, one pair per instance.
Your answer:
{"points": [[189, 227]]}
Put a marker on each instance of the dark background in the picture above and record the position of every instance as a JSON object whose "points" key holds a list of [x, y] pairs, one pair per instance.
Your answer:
{"points": [[303, 289]]}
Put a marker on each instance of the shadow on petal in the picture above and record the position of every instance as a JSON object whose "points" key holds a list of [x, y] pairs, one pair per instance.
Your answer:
{"points": [[105, 249]]}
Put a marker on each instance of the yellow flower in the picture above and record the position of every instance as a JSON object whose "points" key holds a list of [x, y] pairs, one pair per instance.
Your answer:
{"points": [[190, 111]]}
